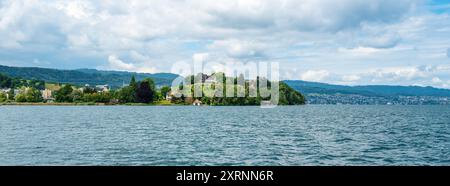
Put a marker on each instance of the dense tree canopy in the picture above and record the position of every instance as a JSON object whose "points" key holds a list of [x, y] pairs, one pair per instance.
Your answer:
{"points": [[287, 95], [64, 94], [8, 82], [165, 90], [97, 97], [5, 81], [29, 95], [127, 95], [145, 91], [2, 97]]}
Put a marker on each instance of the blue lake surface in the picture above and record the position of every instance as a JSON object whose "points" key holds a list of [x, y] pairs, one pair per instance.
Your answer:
{"points": [[286, 135]]}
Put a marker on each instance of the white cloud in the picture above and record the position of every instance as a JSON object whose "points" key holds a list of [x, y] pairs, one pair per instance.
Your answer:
{"points": [[402, 73], [238, 48], [200, 57], [306, 15], [387, 40], [142, 21], [436, 80], [382, 41], [417, 75], [350, 78], [79, 41], [114, 63], [359, 51], [76, 9], [314, 75]]}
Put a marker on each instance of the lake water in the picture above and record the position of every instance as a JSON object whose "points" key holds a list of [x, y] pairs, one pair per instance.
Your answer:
{"points": [[291, 135]]}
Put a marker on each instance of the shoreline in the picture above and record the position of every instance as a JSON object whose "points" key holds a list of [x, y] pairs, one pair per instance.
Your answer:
{"points": [[121, 104], [172, 104], [84, 104]]}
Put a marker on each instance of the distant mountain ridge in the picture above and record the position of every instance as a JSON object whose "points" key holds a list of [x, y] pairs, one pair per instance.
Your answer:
{"points": [[84, 76], [117, 78], [368, 90]]}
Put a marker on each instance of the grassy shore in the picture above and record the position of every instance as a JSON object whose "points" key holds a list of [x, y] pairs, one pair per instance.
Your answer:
{"points": [[158, 103]]}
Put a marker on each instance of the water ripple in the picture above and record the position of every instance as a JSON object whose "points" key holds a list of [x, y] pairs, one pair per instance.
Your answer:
{"points": [[291, 135]]}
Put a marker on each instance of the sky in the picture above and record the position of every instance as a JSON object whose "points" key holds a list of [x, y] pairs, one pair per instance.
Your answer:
{"points": [[350, 42]]}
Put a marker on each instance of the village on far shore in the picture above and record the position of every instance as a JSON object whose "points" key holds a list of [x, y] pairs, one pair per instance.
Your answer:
{"points": [[47, 93]]}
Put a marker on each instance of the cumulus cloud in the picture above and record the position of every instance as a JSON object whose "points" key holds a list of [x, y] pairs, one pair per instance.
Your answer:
{"points": [[382, 41], [438, 82], [127, 21], [75, 9], [403, 75], [239, 49], [114, 63], [359, 51], [314, 75], [306, 15], [350, 78], [150, 36]]}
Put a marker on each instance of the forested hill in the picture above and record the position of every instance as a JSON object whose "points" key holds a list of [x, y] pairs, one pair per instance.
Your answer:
{"points": [[84, 76], [370, 90], [8, 82]]}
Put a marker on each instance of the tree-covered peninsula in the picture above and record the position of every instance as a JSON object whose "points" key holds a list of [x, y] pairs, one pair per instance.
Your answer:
{"points": [[212, 85]]}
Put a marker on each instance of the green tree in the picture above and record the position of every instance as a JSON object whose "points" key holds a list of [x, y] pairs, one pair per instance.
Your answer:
{"points": [[2, 97], [64, 94], [28, 94], [11, 94], [76, 95], [101, 97], [21, 98], [164, 91], [145, 92], [127, 95], [33, 95], [104, 97], [289, 96], [133, 82], [5, 81], [89, 90]]}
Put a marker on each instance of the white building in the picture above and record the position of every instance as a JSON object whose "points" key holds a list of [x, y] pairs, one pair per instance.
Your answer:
{"points": [[211, 80], [6, 92], [102, 88], [47, 94]]}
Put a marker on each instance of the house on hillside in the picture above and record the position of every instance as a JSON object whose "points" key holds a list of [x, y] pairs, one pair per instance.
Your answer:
{"points": [[211, 80], [102, 88], [169, 96]]}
